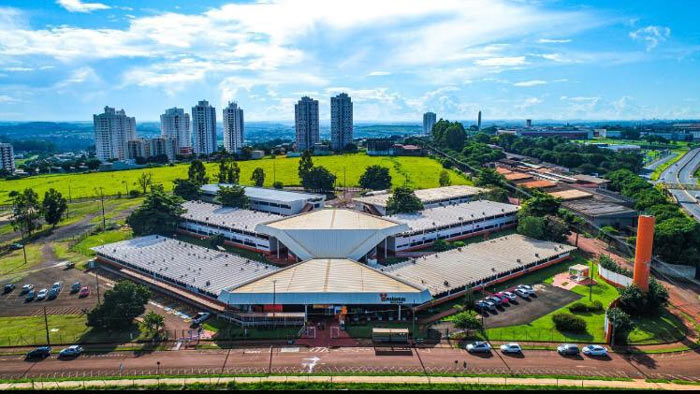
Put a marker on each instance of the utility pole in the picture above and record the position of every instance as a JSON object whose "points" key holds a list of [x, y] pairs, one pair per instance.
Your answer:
{"points": [[97, 287], [46, 325], [69, 194], [24, 250], [102, 200], [274, 302], [590, 280]]}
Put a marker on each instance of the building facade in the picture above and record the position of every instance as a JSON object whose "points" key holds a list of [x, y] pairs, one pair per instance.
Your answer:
{"points": [[428, 122], [341, 121], [306, 123], [113, 130], [7, 158], [204, 128], [175, 123], [163, 146], [138, 148], [233, 127]]}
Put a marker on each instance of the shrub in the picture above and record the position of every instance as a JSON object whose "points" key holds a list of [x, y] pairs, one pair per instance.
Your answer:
{"points": [[133, 193], [596, 306], [278, 185], [568, 322], [580, 307]]}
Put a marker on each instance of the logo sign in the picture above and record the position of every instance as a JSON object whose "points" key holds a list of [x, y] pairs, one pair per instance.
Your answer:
{"points": [[391, 299]]}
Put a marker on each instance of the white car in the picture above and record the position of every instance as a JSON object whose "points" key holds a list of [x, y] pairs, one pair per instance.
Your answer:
{"points": [[522, 293], [595, 350], [511, 348], [41, 294], [71, 351], [510, 296], [479, 347], [526, 288]]}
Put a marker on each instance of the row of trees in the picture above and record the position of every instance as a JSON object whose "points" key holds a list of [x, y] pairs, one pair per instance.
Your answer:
{"points": [[28, 211]]}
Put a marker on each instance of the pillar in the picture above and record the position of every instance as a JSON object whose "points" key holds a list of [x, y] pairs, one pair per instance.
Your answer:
{"points": [[642, 256]]}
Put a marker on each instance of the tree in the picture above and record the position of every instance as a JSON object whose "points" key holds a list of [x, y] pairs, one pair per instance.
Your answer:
{"points": [[54, 207], [622, 323], [229, 172], [153, 323], [531, 226], [278, 185], [445, 178], [540, 205], [121, 305], [197, 173], [26, 211], [232, 196], [489, 177], [159, 213], [375, 177], [441, 245], [403, 200], [186, 189], [144, 180], [217, 240], [555, 229], [305, 164], [455, 136], [497, 194], [258, 177], [467, 320], [318, 179], [93, 164]]}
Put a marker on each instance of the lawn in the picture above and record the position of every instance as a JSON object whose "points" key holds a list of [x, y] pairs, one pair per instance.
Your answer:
{"points": [[13, 262], [30, 330], [83, 247], [419, 172], [226, 331]]}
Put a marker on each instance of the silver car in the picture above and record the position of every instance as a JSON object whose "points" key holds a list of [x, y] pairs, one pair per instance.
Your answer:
{"points": [[41, 294], [511, 348], [595, 350]]}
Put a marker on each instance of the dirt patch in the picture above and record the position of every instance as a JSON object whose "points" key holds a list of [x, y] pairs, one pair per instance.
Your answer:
{"points": [[549, 299]]}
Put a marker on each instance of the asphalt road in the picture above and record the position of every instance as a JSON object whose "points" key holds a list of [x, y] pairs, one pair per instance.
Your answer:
{"points": [[682, 172], [287, 360]]}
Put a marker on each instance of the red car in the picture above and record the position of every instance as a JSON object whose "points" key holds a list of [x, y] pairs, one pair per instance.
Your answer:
{"points": [[84, 292], [504, 297]]}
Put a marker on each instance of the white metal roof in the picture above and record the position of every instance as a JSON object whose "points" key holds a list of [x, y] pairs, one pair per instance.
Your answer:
{"points": [[427, 196], [331, 233], [262, 193], [243, 219], [431, 218], [444, 271], [187, 264]]}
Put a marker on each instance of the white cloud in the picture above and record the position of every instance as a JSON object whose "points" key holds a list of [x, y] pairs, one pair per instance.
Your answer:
{"points": [[79, 6], [78, 76], [528, 103], [5, 99], [502, 61], [553, 41], [651, 35], [533, 82], [378, 73], [18, 69]]}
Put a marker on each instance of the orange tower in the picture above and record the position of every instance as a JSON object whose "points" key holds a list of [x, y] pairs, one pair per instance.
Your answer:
{"points": [[642, 257]]}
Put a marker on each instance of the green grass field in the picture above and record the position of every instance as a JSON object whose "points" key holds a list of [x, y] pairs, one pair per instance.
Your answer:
{"points": [[13, 262], [83, 247], [30, 330], [419, 172]]}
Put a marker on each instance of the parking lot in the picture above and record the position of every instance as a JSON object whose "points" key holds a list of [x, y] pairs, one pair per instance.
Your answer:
{"points": [[525, 310]]}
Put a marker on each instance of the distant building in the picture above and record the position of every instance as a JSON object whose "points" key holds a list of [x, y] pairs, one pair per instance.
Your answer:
{"points": [[204, 128], [341, 121], [281, 202], [478, 121], [138, 148], [175, 123], [113, 129], [528, 123], [428, 122], [7, 158], [163, 146], [233, 127], [306, 123]]}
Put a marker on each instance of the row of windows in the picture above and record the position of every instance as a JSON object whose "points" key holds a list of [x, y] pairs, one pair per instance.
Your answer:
{"points": [[209, 231], [229, 229], [271, 204], [446, 236], [464, 223]]}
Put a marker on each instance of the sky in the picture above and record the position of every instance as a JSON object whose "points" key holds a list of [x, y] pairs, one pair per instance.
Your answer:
{"points": [[64, 60]]}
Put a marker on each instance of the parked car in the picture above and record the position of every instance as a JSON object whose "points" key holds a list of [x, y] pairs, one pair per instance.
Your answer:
{"points": [[503, 297], [479, 347], [481, 306], [522, 293], [30, 295], [53, 293], [40, 352], [568, 349], [57, 285], [75, 288], [490, 305], [41, 294], [16, 246], [200, 318], [71, 351], [511, 348], [9, 288], [27, 288], [511, 296], [595, 350], [498, 300], [527, 288], [84, 292]]}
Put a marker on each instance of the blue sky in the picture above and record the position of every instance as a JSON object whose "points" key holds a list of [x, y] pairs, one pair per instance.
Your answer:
{"points": [[540, 59]]}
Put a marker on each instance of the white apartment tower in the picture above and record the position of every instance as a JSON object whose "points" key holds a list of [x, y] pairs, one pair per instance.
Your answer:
{"points": [[428, 122], [233, 127], [341, 121], [113, 129], [7, 158], [204, 128], [175, 123], [306, 123]]}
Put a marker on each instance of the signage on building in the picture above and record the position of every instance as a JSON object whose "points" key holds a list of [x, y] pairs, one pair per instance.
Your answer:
{"points": [[392, 299]]}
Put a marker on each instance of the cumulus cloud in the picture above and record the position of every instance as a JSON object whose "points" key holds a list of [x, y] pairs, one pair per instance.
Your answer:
{"points": [[80, 6], [652, 36]]}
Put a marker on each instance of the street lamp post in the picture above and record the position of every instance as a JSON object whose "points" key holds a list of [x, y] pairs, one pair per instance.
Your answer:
{"points": [[274, 302]]}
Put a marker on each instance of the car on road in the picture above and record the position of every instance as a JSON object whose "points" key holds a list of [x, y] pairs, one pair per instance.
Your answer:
{"points": [[42, 294], [522, 293], [511, 348], [27, 288], [568, 349], [84, 292], [511, 296], [479, 347], [30, 295], [16, 246], [75, 287], [40, 352], [71, 351], [200, 318], [9, 288], [595, 350]]}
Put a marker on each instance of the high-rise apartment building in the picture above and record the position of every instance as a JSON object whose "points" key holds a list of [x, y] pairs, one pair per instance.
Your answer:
{"points": [[204, 128], [113, 129], [139, 147], [341, 121], [175, 123], [428, 122], [163, 146], [306, 123], [233, 127], [7, 158]]}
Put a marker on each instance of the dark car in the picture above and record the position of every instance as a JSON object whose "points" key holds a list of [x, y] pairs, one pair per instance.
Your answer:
{"points": [[568, 349], [75, 288], [40, 352], [16, 246], [9, 288]]}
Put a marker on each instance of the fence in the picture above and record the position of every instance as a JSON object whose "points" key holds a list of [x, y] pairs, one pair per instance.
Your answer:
{"points": [[613, 277]]}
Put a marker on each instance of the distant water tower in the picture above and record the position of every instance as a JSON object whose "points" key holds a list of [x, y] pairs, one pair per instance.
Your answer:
{"points": [[528, 123]]}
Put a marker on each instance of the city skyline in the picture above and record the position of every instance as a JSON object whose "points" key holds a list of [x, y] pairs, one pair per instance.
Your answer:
{"points": [[556, 60]]}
